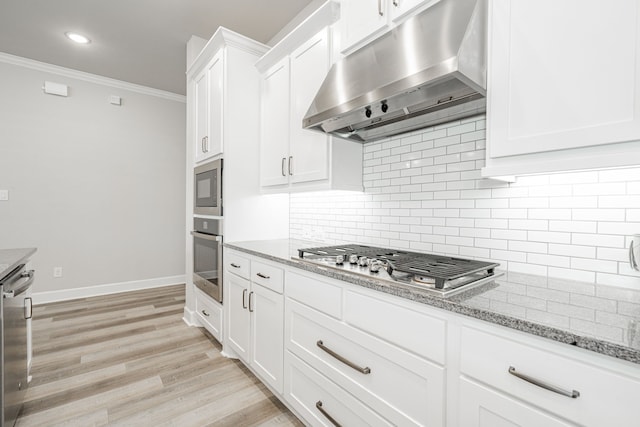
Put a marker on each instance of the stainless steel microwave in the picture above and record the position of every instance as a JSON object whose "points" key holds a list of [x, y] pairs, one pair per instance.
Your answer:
{"points": [[207, 187]]}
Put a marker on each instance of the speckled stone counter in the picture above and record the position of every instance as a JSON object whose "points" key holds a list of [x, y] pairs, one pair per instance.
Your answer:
{"points": [[604, 319], [11, 258]]}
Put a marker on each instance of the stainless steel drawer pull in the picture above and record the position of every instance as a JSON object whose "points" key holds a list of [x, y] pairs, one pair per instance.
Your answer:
{"points": [[250, 305], [235, 265], [284, 161], [572, 394], [349, 363], [326, 414], [263, 276], [380, 12], [205, 313], [244, 298], [290, 165]]}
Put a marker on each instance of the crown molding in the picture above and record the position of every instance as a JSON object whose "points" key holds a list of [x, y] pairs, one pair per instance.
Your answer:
{"points": [[88, 77], [221, 38]]}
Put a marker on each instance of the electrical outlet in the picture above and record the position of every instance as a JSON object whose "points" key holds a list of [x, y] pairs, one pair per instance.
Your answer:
{"points": [[57, 271], [4, 194]]}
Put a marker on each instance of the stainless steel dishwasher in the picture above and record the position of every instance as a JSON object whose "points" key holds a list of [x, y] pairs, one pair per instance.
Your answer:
{"points": [[15, 310]]}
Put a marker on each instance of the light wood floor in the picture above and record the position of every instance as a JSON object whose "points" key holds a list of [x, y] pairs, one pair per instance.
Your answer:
{"points": [[129, 360]]}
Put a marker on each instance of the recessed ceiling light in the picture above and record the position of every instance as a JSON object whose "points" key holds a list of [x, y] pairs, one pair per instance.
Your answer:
{"points": [[78, 38]]}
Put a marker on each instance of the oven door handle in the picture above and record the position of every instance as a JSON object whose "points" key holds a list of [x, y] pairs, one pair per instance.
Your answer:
{"points": [[206, 236]]}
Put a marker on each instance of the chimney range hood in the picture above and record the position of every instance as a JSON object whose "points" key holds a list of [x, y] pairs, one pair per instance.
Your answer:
{"points": [[429, 70]]}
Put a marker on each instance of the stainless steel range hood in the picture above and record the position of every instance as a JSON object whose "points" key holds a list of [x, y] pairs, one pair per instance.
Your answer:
{"points": [[429, 70]]}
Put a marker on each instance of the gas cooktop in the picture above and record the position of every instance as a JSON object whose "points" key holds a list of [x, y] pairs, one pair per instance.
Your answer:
{"points": [[437, 274]]}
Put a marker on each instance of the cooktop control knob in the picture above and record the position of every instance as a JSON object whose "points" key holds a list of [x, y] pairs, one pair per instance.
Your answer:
{"points": [[374, 267], [363, 261], [339, 259], [353, 259]]}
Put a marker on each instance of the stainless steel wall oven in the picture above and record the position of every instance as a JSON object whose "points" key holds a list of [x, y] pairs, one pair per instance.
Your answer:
{"points": [[207, 256], [207, 188]]}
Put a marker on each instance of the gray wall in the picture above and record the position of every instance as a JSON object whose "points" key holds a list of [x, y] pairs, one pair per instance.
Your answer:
{"points": [[98, 189]]}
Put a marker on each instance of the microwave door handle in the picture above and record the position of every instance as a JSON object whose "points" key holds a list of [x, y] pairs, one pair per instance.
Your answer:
{"points": [[206, 236]]}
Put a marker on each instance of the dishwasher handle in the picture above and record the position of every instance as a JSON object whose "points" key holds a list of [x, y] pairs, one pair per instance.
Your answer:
{"points": [[28, 308]]}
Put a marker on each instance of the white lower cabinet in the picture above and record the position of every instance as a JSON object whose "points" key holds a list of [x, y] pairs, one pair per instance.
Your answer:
{"points": [[522, 374], [255, 318], [480, 406], [322, 403], [209, 314], [401, 386], [341, 354]]}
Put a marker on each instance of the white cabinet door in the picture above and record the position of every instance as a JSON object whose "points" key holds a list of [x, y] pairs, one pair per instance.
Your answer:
{"points": [[481, 406], [201, 116], [362, 19], [274, 125], [400, 8], [562, 75], [309, 149], [208, 106], [216, 97], [267, 325], [238, 316]]}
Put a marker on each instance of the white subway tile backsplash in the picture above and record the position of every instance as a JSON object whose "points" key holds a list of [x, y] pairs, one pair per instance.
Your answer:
{"points": [[574, 178], [598, 214], [529, 224], [626, 201], [574, 226], [633, 187], [568, 274], [424, 192], [549, 260], [623, 228], [610, 241], [572, 250], [620, 175], [594, 264]]}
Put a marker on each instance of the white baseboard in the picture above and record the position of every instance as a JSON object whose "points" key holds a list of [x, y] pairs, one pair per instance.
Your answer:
{"points": [[111, 288], [189, 317]]}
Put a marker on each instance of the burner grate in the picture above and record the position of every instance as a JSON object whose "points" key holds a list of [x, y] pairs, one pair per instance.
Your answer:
{"points": [[440, 268], [350, 249]]}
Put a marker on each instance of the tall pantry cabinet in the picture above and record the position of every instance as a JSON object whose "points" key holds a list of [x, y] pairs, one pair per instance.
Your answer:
{"points": [[223, 115]]}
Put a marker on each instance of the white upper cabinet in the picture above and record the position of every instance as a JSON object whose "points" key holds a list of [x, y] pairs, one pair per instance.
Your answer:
{"points": [[364, 20], [293, 158], [209, 101], [274, 121], [222, 92], [400, 8], [309, 150], [563, 85]]}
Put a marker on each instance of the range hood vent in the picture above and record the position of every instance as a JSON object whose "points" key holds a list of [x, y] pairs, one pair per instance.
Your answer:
{"points": [[427, 71]]}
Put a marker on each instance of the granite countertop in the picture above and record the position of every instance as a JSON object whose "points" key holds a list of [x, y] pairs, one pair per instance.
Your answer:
{"points": [[600, 318], [11, 258]]}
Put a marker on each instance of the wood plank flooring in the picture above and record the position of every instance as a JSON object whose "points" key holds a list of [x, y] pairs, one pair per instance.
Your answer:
{"points": [[129, 360]]}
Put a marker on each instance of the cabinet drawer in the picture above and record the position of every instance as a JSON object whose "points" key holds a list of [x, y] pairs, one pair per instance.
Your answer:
{"points": [[400, 325], [315, 293], [405, 389], [210, 314], [305, 388], [488, 357], [481, 406], [237, 264], [269, 276]]}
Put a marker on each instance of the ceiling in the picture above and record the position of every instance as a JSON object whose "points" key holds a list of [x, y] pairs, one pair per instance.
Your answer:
{"points": [[137, 41]]}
